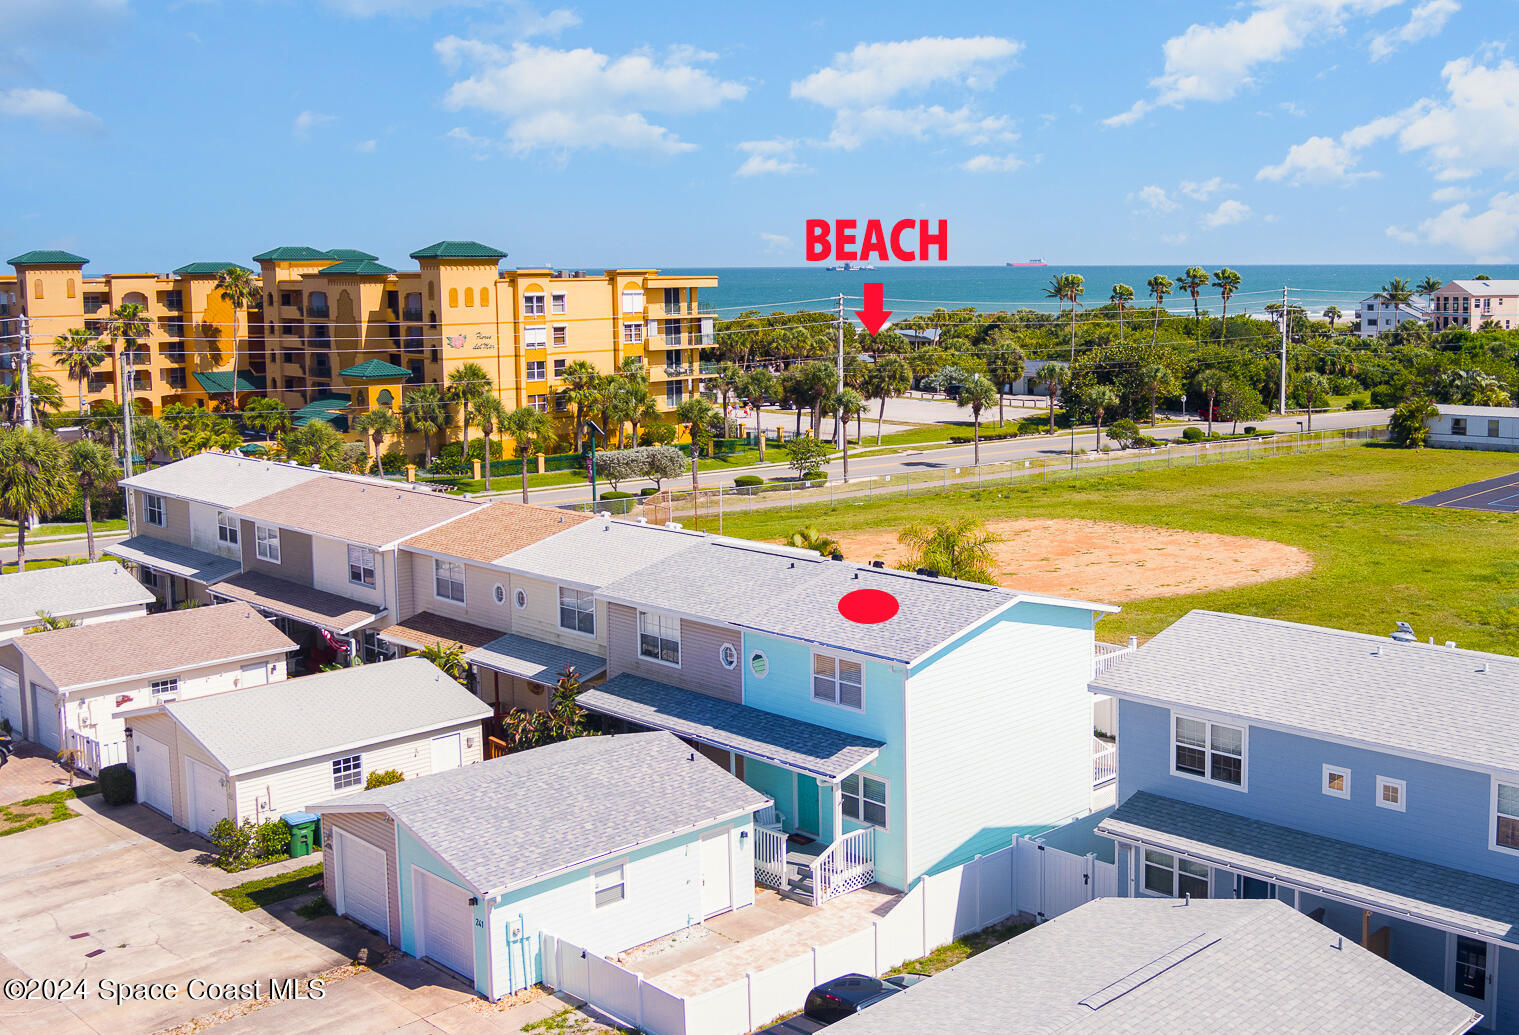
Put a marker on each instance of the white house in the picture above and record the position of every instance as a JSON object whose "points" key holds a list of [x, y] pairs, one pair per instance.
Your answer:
{"points": [[269, 750], [1376, 316], [609, 841], [79, 680], [1475, 427], [82, 593]]}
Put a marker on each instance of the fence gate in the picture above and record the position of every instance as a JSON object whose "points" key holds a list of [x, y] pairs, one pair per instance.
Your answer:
{"points": [[1050, 881]]}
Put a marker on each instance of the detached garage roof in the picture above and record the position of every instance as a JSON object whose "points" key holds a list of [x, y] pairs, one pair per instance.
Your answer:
{"points": [[516, 820], [69, 590], [263, 726]]}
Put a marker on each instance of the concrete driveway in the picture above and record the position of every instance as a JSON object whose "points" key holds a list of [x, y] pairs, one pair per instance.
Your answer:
{"points": [[32, 772]]}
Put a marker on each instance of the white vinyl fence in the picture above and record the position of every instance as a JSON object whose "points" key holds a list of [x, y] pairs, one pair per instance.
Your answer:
{"points": [[1024, 878]]}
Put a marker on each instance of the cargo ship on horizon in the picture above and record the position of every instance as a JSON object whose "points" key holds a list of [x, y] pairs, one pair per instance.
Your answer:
{"points": [[1030, 262]]}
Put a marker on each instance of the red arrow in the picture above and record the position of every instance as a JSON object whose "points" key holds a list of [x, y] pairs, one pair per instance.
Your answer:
{"points": [[873, 316]]}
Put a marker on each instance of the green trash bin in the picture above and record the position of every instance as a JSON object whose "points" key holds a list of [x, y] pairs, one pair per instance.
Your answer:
{"points": [[305, 832]]}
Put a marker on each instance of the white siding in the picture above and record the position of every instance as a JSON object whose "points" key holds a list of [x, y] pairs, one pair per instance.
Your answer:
{"points": [[181, 747], [11, 631], [203, 532], [999, 735]]}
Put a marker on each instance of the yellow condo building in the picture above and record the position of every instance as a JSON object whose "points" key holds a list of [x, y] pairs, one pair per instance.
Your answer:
{"points": [[339, 333]]}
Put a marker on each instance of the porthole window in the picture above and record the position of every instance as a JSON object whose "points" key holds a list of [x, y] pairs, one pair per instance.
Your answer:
{"points": [[759, 664], [520, 599], [499, 593], [728, 655]]}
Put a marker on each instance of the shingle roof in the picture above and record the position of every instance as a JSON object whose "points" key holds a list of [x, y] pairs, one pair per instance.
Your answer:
{"points": [[792, 743], [350, 253], [291, 253], [1414, 698], [357, 510], [517, 819], [219, 382], [533, 659], [356, 268], [1487, 287], [1157, 965], [261, 726], [173, 641], [493, 532], [425, 629], [208, 269], [220, 479], [1390, 883], [458, 250], [597, 552], [1455, 410], [186, 563], [68, 590], [48, 257], [375, 370], [302, 603]]}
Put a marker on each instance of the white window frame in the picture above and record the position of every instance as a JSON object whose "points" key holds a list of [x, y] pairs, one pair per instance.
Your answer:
{"points": [[663, 623], [536, 370], [860, 800], [519, 599], [533, 304], [266, 543], [347, 771], [1498, 784], [153, 504], [632, 300], [227, 528], [165, 689], [558, 302], [836, 681], [1401, 805], [535, 337], [1208, 750], [559, 336], [1336, 770], [498, 594], [1458, 426], [763, 668], [632, 333], [578, 599], [607, 879], [361, 562], [1175, 869], [727, 656], [443, 572]]}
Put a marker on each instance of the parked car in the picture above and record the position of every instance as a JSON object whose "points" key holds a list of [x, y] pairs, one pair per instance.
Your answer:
{"points": [[842, 997]]}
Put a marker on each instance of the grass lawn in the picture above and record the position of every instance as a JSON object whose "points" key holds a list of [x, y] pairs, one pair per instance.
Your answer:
{"points": [[42, 810], [8, 528], [962, 949], [255, 894], [1453, 574], [33, 563]]}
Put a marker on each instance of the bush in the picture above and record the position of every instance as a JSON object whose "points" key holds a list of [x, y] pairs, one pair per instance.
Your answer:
{"points": [[1357, 402], [657, 435], [615, 502], [271, 839], [1192, 434], [647, 490], [232, 842], [1250, 429], [988, 436], [118, 784], [815, 476], [383, 778], [395, 460], [1384, 396], [744, 481]]}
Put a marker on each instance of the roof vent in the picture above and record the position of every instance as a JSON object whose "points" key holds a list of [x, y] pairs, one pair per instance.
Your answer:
{"points": [[641, 520], [932, 573], [1483, 669], [672, 524], [605, 515], [1405, 633], [1451, 644]]}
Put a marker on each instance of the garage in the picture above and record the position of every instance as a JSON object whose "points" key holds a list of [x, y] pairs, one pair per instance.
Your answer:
{"points": [[152, 766], [208, 798], [361, 882], [447, 752], [45, 716], [445, 923], [716, 873], [10, 699]]}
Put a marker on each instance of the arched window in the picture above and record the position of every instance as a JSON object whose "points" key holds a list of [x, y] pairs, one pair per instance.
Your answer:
{"points": [[413, 303], [432, 319], [69, 287], [384, 398], [453, 298], [316, 304], [485, 295], [469, 296], [271, 297], [37, 288]]}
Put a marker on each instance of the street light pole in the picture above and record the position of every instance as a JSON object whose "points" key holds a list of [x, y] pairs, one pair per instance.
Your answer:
{"points": [[593, 431]]}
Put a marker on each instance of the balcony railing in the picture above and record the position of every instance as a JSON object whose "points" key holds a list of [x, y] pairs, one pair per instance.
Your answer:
{"points": [[1104, 654], [1104, 763], [411, 316], [677, 370]]}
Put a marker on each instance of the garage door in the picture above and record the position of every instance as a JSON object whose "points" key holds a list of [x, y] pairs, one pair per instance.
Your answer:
{"points": [[445, 923], [151, 763], [361, 882], [10, 700], [208, 798], [45, 716]]}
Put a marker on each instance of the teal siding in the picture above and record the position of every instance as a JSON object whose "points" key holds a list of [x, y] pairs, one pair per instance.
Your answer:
{"points": [[413, 853], [778, 783]]}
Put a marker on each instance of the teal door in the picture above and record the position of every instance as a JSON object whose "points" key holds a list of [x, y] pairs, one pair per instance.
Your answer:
{"points": [[807, 805]]}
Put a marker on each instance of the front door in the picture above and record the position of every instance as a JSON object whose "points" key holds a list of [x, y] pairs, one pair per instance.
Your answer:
{"points": [[807, 805], [1471, 974], [716, 874]]}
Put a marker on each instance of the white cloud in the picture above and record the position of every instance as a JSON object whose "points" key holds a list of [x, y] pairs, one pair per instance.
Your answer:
{"points": [[776, 156], [873, 73], [521, 18], [1397, 233], [853, 128], [776, 244], [479, 147], [307, 121], [1426, 20], [1316, 160], [366, 147], [1484, 236], [1292, 109], [1202, 190], [1228, 213], [1180, 237], [566, 100], [1446, 195], [993, 163], [1155, 197], [1214, 62], [49, 107], [1475, 128]]}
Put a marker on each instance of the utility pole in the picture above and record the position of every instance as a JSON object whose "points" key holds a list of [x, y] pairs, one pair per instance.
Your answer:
{"points": [[838, 411], [126, 409], [1282, 386], [24, 362]]}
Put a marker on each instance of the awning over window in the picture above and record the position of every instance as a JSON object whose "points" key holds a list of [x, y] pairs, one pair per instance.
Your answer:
{"points": [[298, 603], [426, 629], [784, 741], [534, 660], [173, 559], [1376, 880]]}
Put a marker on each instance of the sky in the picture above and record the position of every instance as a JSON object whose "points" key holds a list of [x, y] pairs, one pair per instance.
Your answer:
{"points": [[149, 133]]}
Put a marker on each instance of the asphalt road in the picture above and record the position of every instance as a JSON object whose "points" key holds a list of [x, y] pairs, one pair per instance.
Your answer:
{"points": [[60, 548]]}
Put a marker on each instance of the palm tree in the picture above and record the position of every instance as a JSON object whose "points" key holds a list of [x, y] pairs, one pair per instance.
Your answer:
{"points": [[809, 538], [77, 353], [490, 414], [95, 469], [35, 479], [1100, 399], [726, 381], [1428, 286], [977, 393], [583, 389], [1397, 294], [266, 415], [528, 429], [888, 378], [238, 287], [1052, 376], [1156, 379], [1074, 285], [105, 419], [449, 657], [47, 622], [1192, 280], [1314, 386], [1004, 363], [1332, 314], [1210, 383], [426, 412], [1056, 290], [848, 403], [959, 550], [153, 438], [755, 387], [379, 424], [316, 443], [1160, 287], [1121, 296], [697, 412], [1227, 282], [467, 383], [47, 397]]}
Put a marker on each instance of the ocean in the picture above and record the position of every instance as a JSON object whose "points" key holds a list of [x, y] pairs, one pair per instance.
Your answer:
{"points": [[921, 289]]}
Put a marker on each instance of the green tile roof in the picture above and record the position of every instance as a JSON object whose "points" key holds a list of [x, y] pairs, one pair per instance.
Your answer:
{"points": [[208, 269], [350, 253], [376, 370], [327, 407], [219, 382], [48, 257], [356, 268], [290, 253], [458, 250]]}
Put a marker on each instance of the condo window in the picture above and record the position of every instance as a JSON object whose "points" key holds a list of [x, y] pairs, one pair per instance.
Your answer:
{"points": [[558, 307], [360, 566], [838, 681], [1336, 781], [1168, 876], [535, 337], [659, 637], [539, 403], [561, 402], [347, 771], [226, 529], [632, 333], [1506, 821], [448, 580], [1391, 794], [266, 543], [559, 367], [632, 301], [532, 304], [1209, 751], [316, 303], [863, 799], [536, 369], [577, 611], [153, 509], [561, 335]]}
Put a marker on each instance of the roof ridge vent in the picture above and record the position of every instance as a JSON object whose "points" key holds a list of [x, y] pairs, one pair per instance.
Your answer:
{"points": [[1134, 979]]}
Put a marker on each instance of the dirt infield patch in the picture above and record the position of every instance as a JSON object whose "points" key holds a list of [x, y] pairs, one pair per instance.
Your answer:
{"points": [[1112, 562]]}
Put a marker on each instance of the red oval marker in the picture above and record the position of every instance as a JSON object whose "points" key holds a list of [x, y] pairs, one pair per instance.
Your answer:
{"points": [[868, 606]]}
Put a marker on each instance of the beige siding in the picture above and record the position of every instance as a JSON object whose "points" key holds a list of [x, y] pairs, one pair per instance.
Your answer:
{"points": [[295, 555], [176, 526], [182, 747], [406, 589], [329, 573], [700, 668], [480, 581], [540, 618], [378, 829]]}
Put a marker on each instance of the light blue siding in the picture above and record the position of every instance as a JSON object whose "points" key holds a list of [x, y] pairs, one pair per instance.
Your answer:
{"points": [[413, 853], [1507, 1011], [778, 783]]}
